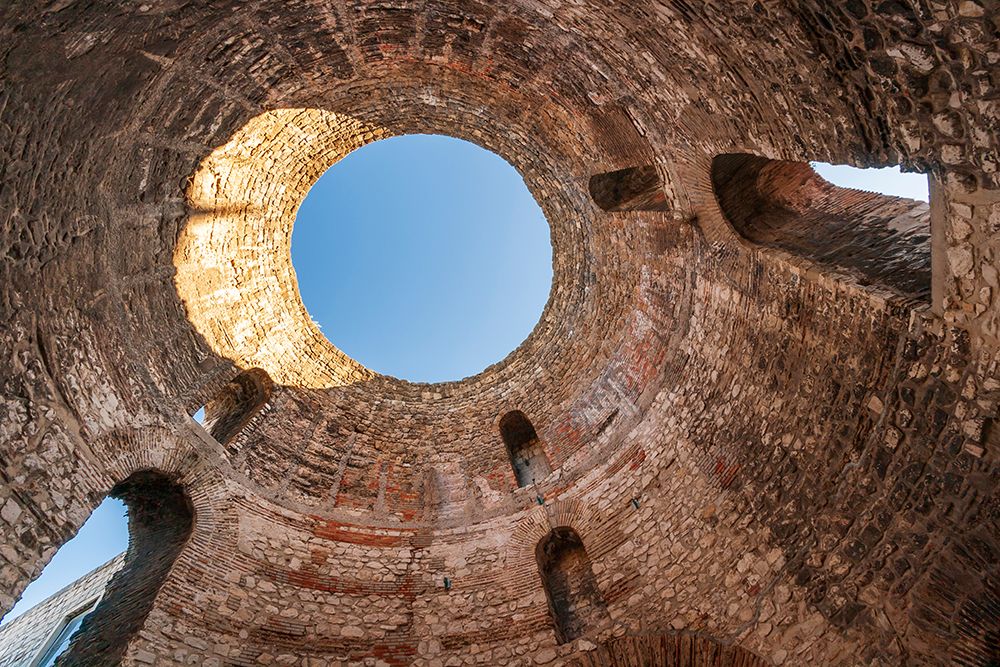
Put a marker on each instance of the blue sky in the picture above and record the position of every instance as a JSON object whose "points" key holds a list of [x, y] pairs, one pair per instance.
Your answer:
{"points": [[888, 181], [422, 257], [102, 537]]}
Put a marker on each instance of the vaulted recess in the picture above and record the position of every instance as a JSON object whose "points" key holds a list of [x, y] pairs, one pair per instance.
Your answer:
{"points": [[236, 404], [629, 189], [575, 601], [527, 455], [878, 240]]}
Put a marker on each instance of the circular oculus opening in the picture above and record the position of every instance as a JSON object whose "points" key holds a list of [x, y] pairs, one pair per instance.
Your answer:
{"points": [[422, 257], [233, 258]]}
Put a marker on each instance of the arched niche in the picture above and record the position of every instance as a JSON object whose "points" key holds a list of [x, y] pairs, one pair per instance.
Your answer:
{"points": [[236, 404], [524, 448], [630, 189], [670, 649], [574, 598], [881, 240]]}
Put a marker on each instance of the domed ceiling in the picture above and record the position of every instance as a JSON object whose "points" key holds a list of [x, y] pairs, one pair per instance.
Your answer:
{"points": [[757, 411]]}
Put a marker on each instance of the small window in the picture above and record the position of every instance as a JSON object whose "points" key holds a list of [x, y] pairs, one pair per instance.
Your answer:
{"points": [[61, 641], [233, 407], [527, 456], [575, 601], [631, 189]]}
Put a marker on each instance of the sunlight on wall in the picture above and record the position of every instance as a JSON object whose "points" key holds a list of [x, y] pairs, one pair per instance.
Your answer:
{"points": [[234, 271]]}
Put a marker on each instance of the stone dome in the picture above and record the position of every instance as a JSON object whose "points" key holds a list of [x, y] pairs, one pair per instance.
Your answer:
{"points": [[753, 426]]}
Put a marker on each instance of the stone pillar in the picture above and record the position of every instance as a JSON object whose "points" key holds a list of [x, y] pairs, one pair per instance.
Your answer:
{"points": [[966, 224]]}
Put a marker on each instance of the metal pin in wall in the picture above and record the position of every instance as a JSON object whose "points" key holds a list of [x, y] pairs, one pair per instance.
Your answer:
{"points": [[635, 503], [540, 498], [447, 584]]}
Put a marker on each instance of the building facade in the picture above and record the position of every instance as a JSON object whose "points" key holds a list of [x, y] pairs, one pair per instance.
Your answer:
{"points": [[38, 636]]}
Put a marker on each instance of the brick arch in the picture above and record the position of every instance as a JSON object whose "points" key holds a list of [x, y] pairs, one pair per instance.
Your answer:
{"points": [[538, 522], [669, 650], [177, 504], [160, 519], [179, 457]]}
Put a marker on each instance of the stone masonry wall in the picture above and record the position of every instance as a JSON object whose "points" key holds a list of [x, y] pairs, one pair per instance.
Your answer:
{"points": [[769, 460]]}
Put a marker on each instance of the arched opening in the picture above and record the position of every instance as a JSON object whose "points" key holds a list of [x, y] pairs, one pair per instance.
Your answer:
{"points": [[575, 601], [527, 456], [160, 519], [37, 630], [239, 401], [631, 189], [670, 649], [90, 620], [881, 240]]}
